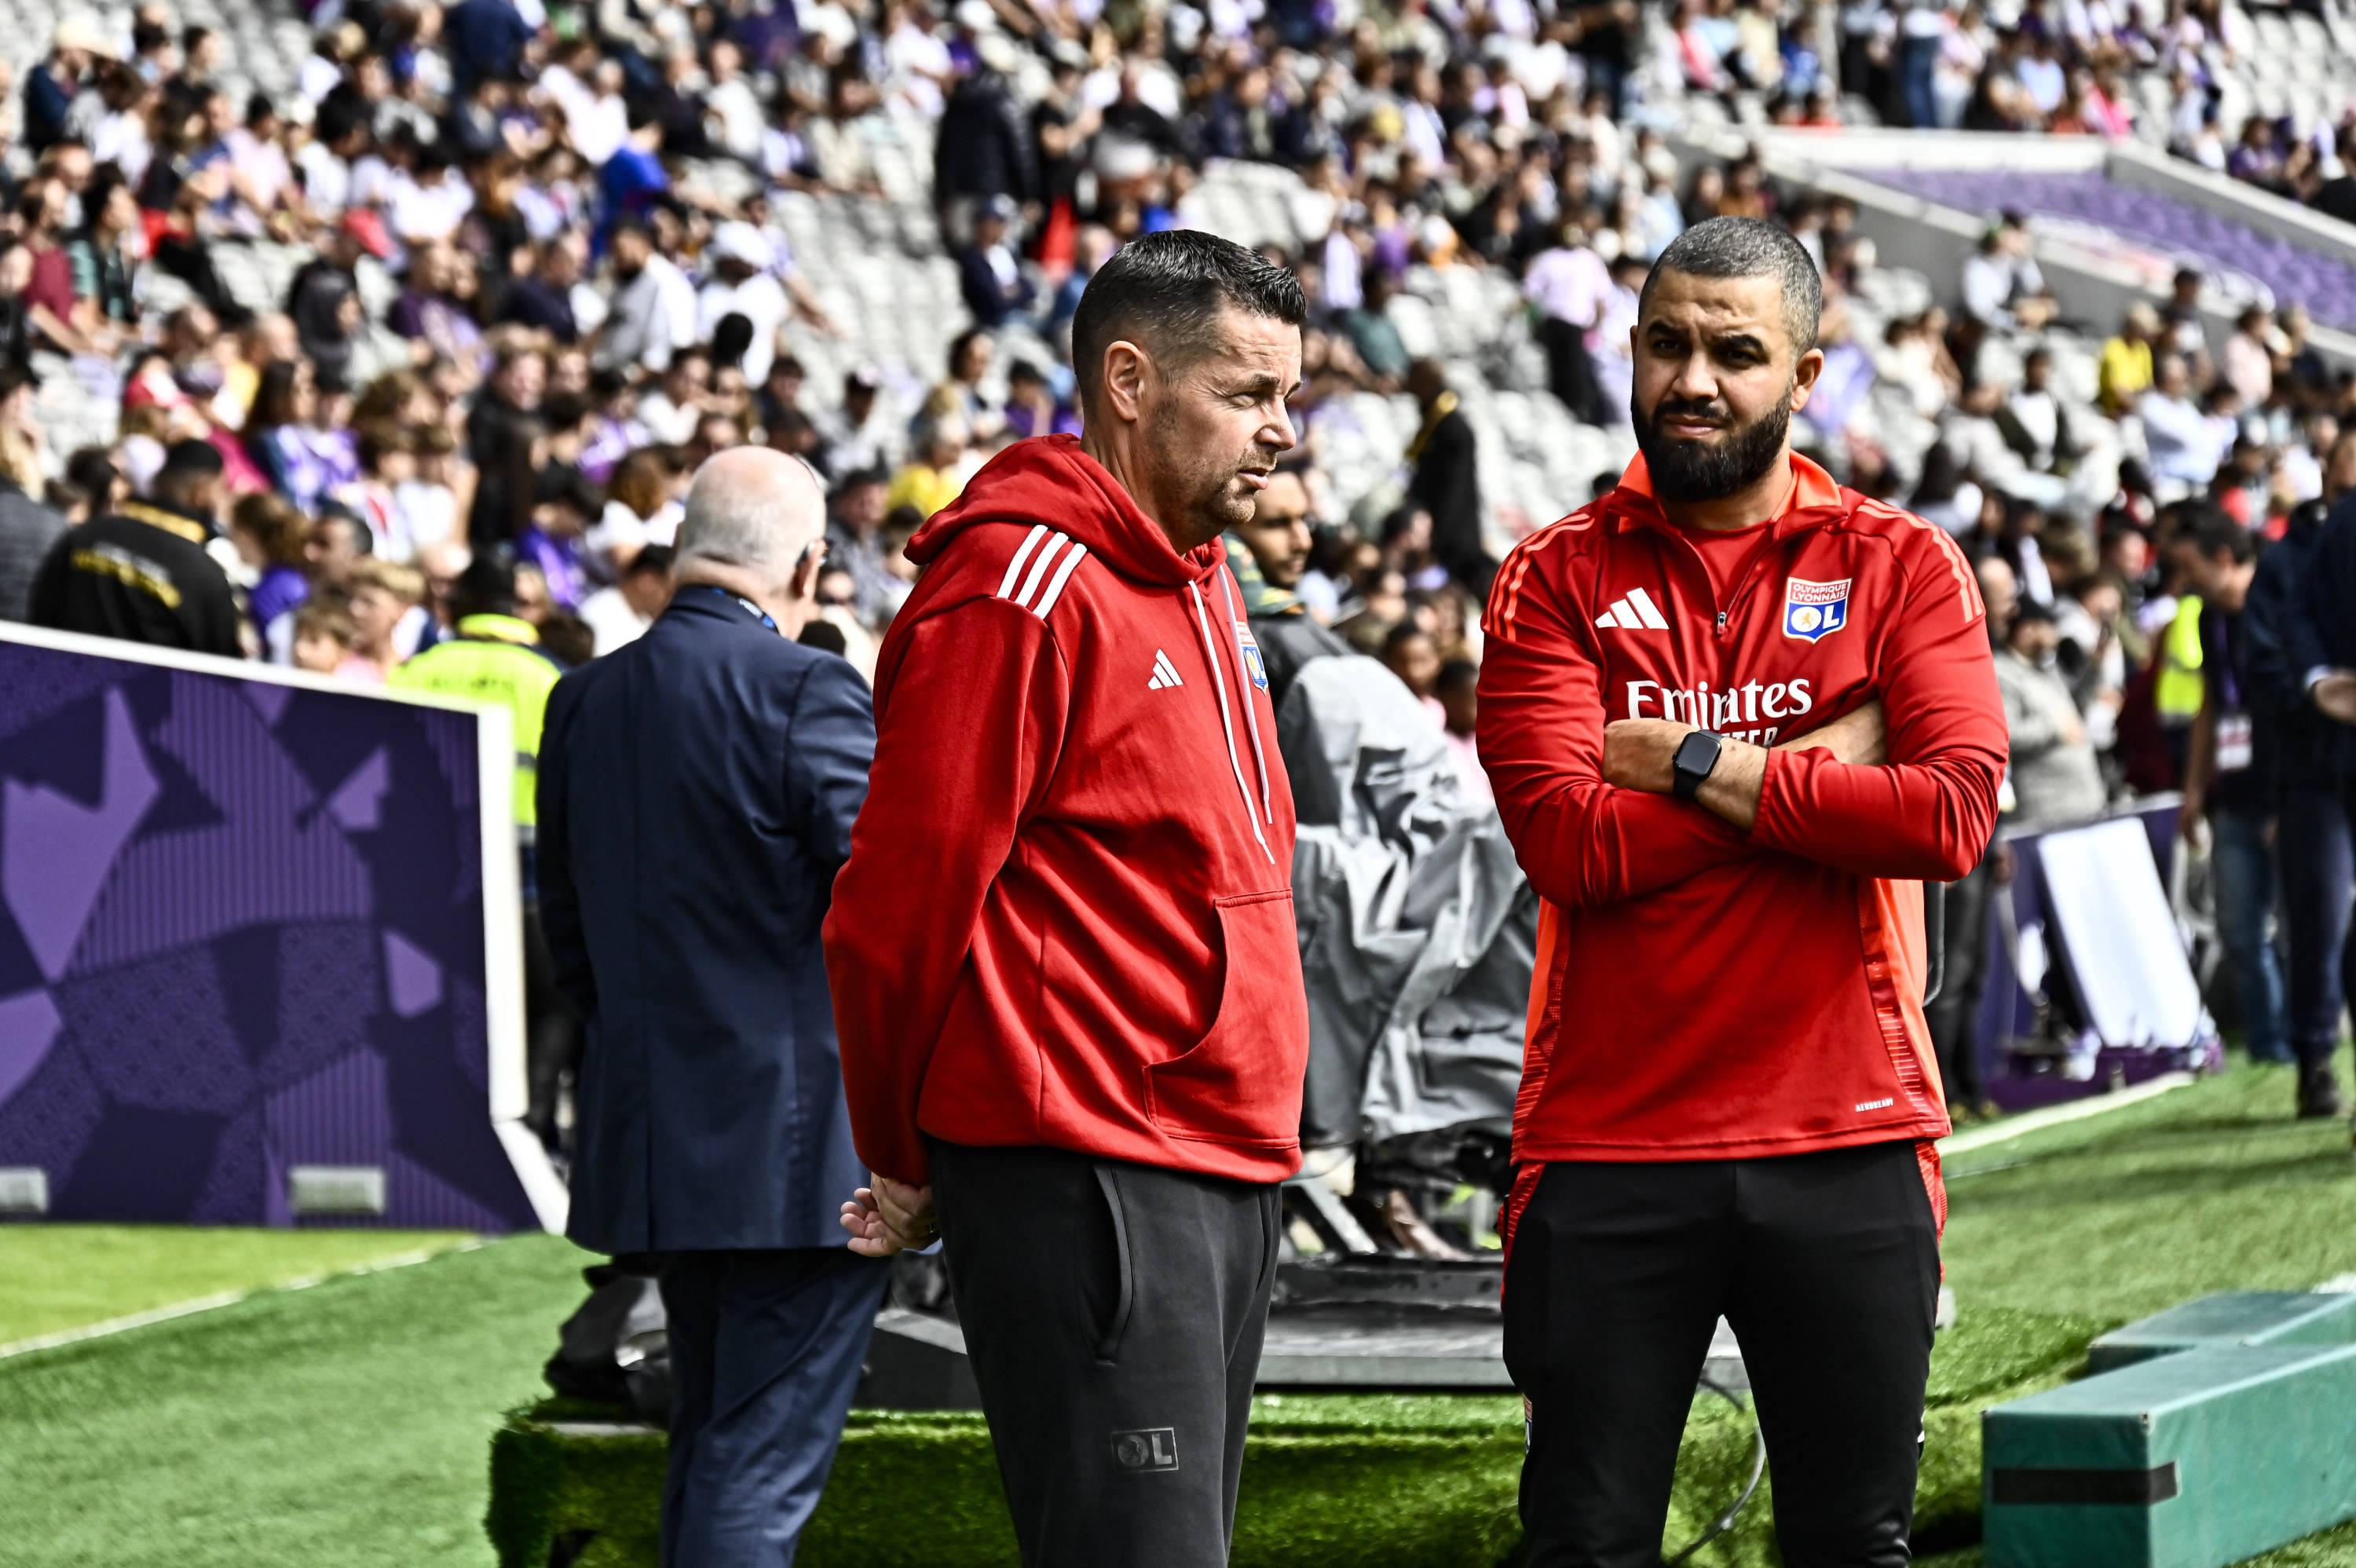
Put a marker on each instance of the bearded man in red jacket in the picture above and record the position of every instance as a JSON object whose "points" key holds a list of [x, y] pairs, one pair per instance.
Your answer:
{"points": [[1065, 969], [1728, 1095]]}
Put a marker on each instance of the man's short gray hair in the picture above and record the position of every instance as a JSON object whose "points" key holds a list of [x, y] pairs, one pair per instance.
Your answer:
{"points": [[754, 508], [1749, 247]]}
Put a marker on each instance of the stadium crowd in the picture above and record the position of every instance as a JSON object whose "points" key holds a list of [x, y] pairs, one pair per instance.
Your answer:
{"points": [[544, 273]]}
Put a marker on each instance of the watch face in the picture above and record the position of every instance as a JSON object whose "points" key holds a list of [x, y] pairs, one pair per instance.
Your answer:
{"points": [[1696, 754]]}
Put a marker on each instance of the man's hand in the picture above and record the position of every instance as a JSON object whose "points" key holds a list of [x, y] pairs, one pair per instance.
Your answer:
{"points": [[889, 1216], [2336, 695], [1642, 753], [1859, 738]]}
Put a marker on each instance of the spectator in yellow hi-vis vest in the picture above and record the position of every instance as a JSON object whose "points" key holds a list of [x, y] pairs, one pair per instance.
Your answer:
{"points": [[494, 657]]}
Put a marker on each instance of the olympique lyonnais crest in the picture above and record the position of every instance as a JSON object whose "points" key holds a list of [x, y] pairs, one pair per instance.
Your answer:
{"points": [[1249, 649], [1814, 610]]}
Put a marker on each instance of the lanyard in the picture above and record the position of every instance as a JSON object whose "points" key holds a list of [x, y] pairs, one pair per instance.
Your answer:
{"points": [[2229, 678], [743, 603]]}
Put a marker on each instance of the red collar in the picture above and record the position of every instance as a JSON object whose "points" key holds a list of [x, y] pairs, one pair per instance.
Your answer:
{"points": [[1814, 498]]}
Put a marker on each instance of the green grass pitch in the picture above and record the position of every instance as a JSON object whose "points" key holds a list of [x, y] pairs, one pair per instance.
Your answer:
{"points": [[349, 1425]]}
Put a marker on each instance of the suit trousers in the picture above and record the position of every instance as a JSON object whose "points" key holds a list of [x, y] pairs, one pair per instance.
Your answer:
{"points": [[1113, 1314], [2318, 830], [765, 1352]]}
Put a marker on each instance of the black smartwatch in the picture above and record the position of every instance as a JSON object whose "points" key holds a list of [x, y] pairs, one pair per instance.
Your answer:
{"points": [[1696, 754]]}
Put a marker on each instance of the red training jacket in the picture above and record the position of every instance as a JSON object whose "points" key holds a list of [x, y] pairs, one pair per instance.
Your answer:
{"points": [[1702, 994], [1067, 915]]}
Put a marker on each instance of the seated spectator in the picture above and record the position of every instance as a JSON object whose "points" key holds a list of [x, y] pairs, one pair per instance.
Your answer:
{"points": [[780, 393], [2247, 360], [325, 301], [960, 396], [97, 483], [564, 503], [303, 462], [1459, 693], [989, 272], [433, 311], [1410, 654], [29, 529], [47, 292], [2033, 422], [323, 639], [672, 406], [1032, 406], [105, 257], [743, 283], [1374, 336], [1915, 358], [931, 479], [2126, 366], [2055, 779], [272, 535], [856, 517], [383, 594], [432, 505], [2002, 286], [621, 612], [2091, 657], [643, 506], [836, 598], [654, 312], [2182, 440]]}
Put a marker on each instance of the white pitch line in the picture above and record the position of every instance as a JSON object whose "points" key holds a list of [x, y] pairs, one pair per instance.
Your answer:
{"points": [[2037, 1121], [2342, 1285], [224, 1298]]}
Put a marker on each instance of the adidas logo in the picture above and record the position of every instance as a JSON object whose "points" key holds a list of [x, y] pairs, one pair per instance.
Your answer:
{"points": [[1637, 613], [1166, 673]]}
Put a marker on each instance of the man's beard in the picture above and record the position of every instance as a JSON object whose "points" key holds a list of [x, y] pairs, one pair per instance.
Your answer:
{"points": [[1692, 471], [1206, 488]]}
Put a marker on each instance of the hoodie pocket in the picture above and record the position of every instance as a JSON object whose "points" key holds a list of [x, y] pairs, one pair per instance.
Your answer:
{"points": [[1240, 1084]]}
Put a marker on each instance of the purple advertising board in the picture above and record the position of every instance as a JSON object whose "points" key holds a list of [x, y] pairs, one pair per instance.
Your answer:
{"points": [[260, 949]]}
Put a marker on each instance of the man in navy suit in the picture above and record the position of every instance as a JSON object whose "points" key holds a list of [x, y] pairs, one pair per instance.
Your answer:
{"points": [[2304, 604], [696, 794]]}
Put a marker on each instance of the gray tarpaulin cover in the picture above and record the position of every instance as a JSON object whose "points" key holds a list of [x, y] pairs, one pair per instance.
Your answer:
{"points": [[1418, 932]]}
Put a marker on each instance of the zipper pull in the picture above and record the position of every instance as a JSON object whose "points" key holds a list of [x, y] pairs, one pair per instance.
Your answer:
{"points": [[1721, 623]]}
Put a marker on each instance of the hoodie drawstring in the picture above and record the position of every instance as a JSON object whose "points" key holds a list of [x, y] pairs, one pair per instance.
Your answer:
{"points": [[1251, 714], [1227, 718]]}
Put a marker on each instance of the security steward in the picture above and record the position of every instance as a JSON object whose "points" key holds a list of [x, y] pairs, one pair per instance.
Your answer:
{"points": [[494, 657], [142, 574]]}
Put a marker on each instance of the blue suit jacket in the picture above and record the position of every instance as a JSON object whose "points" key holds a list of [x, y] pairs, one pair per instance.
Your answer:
{"points": [[696, 794], [2302, 616]]}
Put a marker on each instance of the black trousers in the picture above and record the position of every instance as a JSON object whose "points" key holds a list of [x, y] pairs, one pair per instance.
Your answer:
{"points": [[2317, 829], [1113, 1314], [1826, 1266], [553, 1036], [765, 1352]]}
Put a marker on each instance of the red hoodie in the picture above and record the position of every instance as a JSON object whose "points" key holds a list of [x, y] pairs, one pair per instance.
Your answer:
{"points": [[1067, 915], [1701, 993]]}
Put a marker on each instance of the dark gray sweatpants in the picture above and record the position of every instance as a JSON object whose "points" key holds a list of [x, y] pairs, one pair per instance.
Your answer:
{"points": [[1114, 1314]]}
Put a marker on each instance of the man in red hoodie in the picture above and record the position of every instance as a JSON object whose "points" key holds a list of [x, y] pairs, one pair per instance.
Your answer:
{"points": [[1064, 968], [1729, 1093]]}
